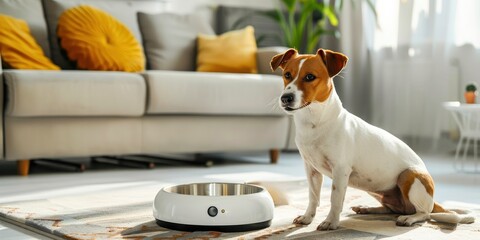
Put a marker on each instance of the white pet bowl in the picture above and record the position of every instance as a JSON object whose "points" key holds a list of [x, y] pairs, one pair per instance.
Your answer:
{"points": [[225, 207]]}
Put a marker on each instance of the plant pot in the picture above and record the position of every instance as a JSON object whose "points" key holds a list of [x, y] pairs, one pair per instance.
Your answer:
{"points": [[470, 97]]}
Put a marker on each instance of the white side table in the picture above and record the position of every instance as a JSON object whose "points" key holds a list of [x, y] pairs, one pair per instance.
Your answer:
{"points": [[467, 117]]}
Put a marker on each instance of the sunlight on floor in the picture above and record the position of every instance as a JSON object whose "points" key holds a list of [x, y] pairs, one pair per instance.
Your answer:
{"points": [[251, 176]]}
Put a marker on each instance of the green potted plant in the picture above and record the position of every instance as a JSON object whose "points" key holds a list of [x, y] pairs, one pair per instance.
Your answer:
{"points": [[303, 22], [299, 27], [470, 93]]}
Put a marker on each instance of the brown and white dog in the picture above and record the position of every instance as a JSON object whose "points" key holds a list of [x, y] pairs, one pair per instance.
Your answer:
{"points": [[336, 143]]}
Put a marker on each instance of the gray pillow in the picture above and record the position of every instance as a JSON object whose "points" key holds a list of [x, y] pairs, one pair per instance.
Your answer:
{"points": [[170, 39], [267, 31]]}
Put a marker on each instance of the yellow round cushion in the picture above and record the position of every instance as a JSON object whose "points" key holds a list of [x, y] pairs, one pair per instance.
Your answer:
{"points": [[18, 48], [98, 41]]}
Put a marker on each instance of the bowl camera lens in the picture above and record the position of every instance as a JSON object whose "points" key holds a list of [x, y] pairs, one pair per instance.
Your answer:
{"points": [[212, 211]]}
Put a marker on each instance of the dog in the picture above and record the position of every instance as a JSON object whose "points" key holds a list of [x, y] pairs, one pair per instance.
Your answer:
{"points": [[340, 145]]}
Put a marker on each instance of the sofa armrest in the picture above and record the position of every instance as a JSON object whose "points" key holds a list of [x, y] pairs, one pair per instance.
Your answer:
{"points": [[264, 56]]}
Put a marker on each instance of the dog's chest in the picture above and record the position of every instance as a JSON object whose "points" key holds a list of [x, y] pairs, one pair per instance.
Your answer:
{"points": [[316, 148], [317, 157]]}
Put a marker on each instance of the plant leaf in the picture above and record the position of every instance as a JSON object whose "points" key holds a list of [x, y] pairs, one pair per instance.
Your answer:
{"points": [[278, 16], [273, 14], [282, 21], [371, 5], [292, 23], [340, 7], [314, 38], [289, 4], [329, 12], [307, 7]]}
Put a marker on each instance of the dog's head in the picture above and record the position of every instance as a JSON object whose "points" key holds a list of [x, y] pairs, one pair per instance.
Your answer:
{"points": [[307, 78]]}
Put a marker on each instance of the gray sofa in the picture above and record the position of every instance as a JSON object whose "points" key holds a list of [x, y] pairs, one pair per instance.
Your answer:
{"points": [[73, 113]]}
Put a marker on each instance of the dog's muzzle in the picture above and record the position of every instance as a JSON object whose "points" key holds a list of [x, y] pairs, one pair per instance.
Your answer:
{"points": [[288, 102], [287, 99]]}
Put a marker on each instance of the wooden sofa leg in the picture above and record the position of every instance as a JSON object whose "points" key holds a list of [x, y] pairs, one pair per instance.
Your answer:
{"points": [[23, 167], [274, 153]]}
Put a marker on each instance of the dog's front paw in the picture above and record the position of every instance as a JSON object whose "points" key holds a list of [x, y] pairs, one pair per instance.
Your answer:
{"points": [[303, 220], [328, 225]]}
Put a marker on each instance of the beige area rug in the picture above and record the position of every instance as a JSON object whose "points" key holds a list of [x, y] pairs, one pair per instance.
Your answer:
{"points": [[127, 214]]}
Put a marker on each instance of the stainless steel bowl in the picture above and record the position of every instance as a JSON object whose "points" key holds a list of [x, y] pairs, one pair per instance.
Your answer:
{"points": [[214, 189]]}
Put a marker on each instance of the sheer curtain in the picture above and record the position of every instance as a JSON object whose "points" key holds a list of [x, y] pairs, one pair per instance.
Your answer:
{"points": [[415, 55], [354, 83], [415, 64], [412, 70]]}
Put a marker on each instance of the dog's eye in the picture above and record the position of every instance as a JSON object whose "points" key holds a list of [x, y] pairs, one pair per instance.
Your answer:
{"points": [[288, 75], [309, 77]]}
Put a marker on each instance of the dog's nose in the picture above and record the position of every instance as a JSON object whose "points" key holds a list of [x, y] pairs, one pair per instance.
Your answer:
{"points": [[287, 98]]}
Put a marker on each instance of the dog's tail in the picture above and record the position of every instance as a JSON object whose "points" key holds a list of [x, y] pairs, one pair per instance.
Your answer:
{"points": [[275, 190], [455, 216]]}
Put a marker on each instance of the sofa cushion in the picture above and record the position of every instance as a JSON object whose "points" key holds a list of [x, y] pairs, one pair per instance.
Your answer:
{"points": [[171, 92], [234, 51], [170, 39], [74, 93], [124, 10], [18, 48], [203, 134], [98, 41], [32, 12], [66, 137]]}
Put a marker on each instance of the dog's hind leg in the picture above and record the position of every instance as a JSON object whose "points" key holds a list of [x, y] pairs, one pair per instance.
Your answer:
{"points": [[315, 180], [371, 210], [390, 201], [417, 188]]}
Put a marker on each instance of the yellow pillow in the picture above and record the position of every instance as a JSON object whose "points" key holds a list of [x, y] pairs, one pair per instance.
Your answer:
{"points": [[18, 48], [98, 41], [234, 51]]}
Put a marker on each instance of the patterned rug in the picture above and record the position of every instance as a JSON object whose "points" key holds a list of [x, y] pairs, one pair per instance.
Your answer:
{"points": [[127, 214]]}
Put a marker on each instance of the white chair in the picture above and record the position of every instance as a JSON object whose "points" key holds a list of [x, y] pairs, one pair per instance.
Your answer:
{"points": [[467, 117]]}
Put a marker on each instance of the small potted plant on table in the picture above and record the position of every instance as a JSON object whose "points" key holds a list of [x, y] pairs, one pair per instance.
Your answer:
{"points": [[470, 93]]}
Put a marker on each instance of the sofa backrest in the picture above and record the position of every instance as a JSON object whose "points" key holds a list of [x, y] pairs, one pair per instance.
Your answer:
{"points": [[124, 10], [32, 12]]}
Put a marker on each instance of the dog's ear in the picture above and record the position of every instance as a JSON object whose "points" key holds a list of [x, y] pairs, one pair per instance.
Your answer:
{"points": [[280, 60], [334, 61]]}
